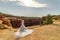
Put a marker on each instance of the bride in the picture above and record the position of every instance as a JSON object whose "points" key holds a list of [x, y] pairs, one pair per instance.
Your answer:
{"points": [[22, 31]]}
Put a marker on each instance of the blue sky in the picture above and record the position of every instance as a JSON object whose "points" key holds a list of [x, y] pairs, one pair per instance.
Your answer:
{"points": [[20, 9]]}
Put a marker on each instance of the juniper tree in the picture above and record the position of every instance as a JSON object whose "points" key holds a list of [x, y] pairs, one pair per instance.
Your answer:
{"points": [[49, 19]]}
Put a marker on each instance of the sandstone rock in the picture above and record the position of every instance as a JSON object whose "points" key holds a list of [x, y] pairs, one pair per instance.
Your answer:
{"points": [[1, 21], [2, 26], [2, 16], [6, 21]]}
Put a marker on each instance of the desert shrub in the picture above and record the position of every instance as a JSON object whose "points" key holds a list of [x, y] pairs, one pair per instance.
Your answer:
{"points": [[48, 20], [55, 18], [42, 20]]}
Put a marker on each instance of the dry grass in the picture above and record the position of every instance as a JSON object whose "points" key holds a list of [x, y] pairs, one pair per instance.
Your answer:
{"points": [[46, 32]]}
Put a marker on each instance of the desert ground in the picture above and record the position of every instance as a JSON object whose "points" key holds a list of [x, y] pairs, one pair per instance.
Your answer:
{"points": [[44, 32]]}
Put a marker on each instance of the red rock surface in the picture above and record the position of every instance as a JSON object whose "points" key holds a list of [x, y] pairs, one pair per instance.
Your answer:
{"points": [[15, 23]]}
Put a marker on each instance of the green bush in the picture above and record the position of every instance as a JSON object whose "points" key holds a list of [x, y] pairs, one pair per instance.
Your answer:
{"points": [[48, 20]]}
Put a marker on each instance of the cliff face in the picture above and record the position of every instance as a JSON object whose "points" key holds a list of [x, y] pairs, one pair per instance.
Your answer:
{"points": [[15, 22], [5, 20]]}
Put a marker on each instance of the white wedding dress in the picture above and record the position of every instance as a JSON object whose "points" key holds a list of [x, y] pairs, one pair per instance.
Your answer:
{"points": [[22, 31]]}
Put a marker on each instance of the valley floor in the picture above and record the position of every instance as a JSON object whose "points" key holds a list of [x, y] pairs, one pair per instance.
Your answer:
{"points": [[45, 32]]}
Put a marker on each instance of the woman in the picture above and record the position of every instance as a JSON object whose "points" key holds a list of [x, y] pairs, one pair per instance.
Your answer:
{"points": [[22, 31], [22, 27]]}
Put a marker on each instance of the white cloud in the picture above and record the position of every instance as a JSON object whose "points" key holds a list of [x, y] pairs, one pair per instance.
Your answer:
{"points": [[29, 3], [12, 0], [7, 0]]}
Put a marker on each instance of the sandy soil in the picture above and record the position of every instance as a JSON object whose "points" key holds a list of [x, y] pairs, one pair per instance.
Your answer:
{"points": [[46, 32]]}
